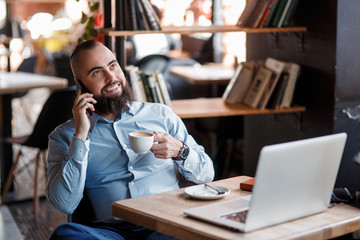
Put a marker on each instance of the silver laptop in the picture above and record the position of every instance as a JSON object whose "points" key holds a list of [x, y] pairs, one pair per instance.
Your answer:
{"points": [[293, 180]]}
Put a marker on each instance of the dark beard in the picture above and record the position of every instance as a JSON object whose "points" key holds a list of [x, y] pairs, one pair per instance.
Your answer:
{"points": [[115, 104]]}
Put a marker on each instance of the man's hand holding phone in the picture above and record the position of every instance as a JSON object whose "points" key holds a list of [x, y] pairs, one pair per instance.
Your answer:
{"points": [[84, 103]]}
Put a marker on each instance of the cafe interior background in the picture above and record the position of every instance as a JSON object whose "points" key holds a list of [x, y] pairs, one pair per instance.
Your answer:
{"points": [[47, 31]]}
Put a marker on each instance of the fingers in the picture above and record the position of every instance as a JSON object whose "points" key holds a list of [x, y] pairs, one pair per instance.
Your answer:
{"points": [[166, 146], [160, 137], [83, 102]]}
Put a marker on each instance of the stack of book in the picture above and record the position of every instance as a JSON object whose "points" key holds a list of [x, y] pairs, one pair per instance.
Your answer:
{"points": [[139, 15], [267, 85], [148, 87], [267, 13]]}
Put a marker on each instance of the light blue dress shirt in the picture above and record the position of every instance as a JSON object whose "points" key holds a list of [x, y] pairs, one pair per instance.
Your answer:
{"points": [[107, 167]]}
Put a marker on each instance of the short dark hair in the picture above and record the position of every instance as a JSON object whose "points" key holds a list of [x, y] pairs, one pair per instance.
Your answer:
{"points": [[84, 45]]}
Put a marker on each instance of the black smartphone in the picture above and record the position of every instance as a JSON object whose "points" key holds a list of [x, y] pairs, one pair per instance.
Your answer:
{"points": [[80, 85]]}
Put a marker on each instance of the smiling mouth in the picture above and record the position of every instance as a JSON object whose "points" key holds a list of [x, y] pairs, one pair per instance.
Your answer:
{"points": [[112, 88]]}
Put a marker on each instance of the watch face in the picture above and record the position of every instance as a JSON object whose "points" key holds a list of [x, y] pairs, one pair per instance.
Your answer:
{"points": [[185, 152]]}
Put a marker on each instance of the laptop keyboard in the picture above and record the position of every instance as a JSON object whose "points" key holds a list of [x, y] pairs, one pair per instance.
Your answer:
{"points": [[237, 216]]}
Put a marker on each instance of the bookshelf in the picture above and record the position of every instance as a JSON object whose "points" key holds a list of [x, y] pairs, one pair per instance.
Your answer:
{"points": [[119, 35], [203, 29], [217, 107]]}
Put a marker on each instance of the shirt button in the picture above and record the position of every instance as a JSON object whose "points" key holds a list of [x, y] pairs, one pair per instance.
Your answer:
{"points": [[132, 183], [131, 168], [125, 145]]}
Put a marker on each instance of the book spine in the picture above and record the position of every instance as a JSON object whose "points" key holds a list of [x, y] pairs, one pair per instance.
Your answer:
{"points": [[256, 14], [230, 87], [164, 89], [143, 15], [139, 20], [149, 15], [134, 80], [246, 13], [261, 78], [246, 78], [277, 67], [158, 89], [278, 13], [267, 92], [261, 12], [129, 70], [157, 19], [279, 97], [269, 19], [266, 14], [290, 13], [133, 15], [126, 15], [146, 87], [286, 9], [290, 88], [152, 88]]}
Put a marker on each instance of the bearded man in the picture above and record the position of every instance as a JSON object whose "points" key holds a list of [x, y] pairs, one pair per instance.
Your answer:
{"points": [[91, 152]]}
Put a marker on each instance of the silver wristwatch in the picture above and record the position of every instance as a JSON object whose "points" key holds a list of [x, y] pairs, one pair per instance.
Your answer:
{"points": [[183, 153]]}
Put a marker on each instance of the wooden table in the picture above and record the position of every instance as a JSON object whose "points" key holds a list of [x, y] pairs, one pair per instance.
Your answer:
{"points": [[203, 74], [164, 213], [14, 82], [217, 107]]}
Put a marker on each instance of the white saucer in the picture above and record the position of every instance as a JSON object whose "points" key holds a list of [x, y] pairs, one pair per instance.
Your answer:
{"points": [[203, 192]]}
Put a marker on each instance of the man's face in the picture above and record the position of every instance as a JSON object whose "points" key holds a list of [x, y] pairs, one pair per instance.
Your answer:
{"points": [[102, 76], [100, 72]]}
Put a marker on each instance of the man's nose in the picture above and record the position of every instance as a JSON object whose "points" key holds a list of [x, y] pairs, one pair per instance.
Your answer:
{"points": [[109, 76]]}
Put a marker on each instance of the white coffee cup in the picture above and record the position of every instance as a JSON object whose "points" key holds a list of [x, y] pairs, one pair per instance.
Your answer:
{"points": [[141, 142]]}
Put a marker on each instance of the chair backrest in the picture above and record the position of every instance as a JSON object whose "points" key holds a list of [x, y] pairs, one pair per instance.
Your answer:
{"points": [[153, 63], [84, 212], [28, 65], [56, 110]]}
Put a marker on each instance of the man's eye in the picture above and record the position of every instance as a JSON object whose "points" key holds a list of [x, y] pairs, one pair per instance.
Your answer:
{"points": [[96, 73], [113, 66]]}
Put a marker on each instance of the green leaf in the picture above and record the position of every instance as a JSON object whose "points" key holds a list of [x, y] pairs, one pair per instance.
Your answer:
{"points": [[93, 32], [86, 36], [84, 17], [91, 20], [94, 7]]}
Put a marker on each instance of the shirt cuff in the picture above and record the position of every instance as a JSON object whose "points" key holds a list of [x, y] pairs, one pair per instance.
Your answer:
{"points": [[78, 149], [190, 162]]}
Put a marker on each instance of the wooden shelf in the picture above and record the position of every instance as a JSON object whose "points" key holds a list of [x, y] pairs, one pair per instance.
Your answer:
{"points": [[197, 29], [216, 107]]}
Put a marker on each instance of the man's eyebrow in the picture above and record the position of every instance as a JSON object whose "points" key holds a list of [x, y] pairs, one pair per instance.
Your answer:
{"points": [[112, 62], [94, 68]]}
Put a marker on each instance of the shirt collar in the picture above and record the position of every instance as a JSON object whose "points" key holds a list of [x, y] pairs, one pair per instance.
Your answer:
{"points": [[95, 117]]}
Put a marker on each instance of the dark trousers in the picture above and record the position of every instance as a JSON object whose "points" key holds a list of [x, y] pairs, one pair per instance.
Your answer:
{"points": [[100, 231]]}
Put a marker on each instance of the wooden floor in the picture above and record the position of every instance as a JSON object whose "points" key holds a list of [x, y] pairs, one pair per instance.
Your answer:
{"points": [[41, 227]]}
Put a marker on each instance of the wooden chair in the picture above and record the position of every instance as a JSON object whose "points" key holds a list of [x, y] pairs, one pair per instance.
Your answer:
{"points": [[56, 110]]}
